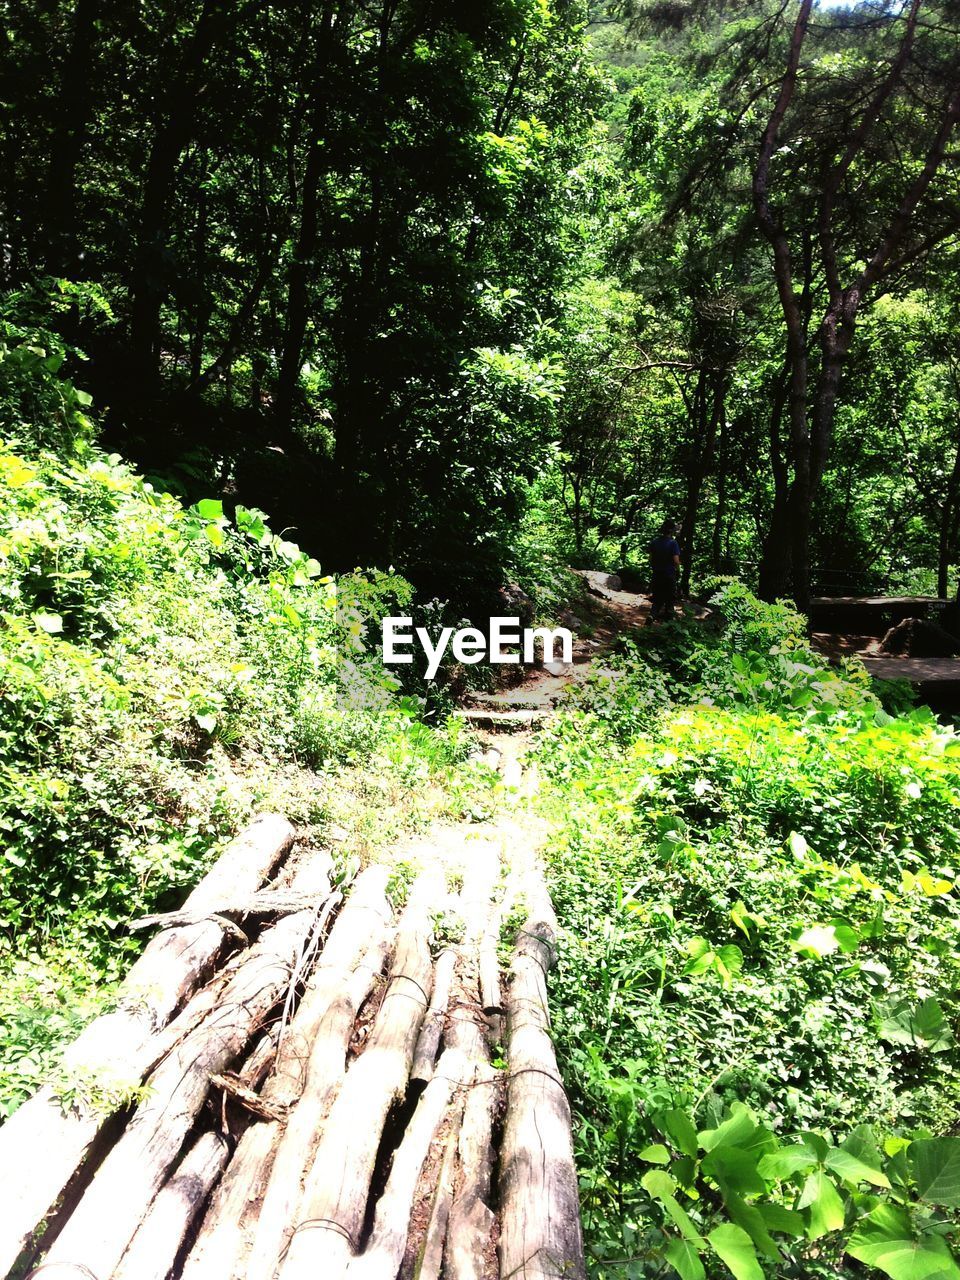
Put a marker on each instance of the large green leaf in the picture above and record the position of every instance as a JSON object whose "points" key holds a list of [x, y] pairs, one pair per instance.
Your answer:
{"points": [[736, 1130], [821, 1199], [749, 1217], [685, 1260], [736, 1168], [886, 1241], [787, 1161], [732, 1244], [661, 1186], [919, 1027], [854, 1170], [936, 1169], [678, 1127], [779, 1218]]}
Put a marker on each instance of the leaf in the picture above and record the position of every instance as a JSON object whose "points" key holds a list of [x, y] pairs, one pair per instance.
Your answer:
{"points": [[854, 1170], [729, 962], [214, 535], [779, 1218], [51, 623], [662, 1187], [819, 940], [735, 1131], [656, 1153], [787, 1161], [826, 1208], [934, 888], [732, 1244], [735, 1167], [207, 721], [658, 1184], [923, 1027], [684, 1257], [752, 1221], [936, 1169], [677, 1126], [886, 1241], [797, 846], [210, 509], [846, 936]]}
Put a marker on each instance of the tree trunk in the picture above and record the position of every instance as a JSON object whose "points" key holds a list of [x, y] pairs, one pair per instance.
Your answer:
{"points": [[430, 1260], [73, 111], [710, 416], [945, 548], [41, 1145], [429, 1042], [178, 116], [383, 1255]]}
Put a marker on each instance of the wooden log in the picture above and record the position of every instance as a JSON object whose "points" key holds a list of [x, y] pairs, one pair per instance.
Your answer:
{"points": [[469, 1253], [430, 1262], [242, 1220], [42, 1145], [491, 1000], [330, 1219], [428, 1043], [154, 1248], [268, 902], [383, 1254], [540, 1232], [100, 1228]]}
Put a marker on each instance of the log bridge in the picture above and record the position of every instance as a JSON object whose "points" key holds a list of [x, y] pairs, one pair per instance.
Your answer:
{"points": [[295, 1082]]}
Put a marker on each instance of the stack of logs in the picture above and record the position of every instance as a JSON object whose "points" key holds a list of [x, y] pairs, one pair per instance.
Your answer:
{"points": [[293, 1086]]}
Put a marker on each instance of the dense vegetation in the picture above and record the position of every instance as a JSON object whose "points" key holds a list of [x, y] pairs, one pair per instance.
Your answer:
{"points": [[436, 285], [462, 293], [757, 875], [164, 671]]}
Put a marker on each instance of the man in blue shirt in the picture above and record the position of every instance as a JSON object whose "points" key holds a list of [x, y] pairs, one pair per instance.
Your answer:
{"points": [[665, 565]]}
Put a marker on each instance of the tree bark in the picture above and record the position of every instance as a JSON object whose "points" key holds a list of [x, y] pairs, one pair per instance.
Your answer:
{"points": [[177, 119], [428, 1043], [711, 411], [73, 112], [383, 1254], [948, 514], [349, 966], [153, 1250]]}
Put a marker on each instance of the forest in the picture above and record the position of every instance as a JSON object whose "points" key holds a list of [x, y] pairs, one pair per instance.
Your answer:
{"points": [[319, 313]]}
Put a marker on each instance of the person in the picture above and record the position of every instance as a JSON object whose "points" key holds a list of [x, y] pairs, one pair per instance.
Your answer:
{"points": [[665, 565]]}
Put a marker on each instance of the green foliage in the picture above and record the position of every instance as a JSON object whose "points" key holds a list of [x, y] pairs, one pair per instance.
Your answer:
{"points": [[757, 879], [163, 671]]}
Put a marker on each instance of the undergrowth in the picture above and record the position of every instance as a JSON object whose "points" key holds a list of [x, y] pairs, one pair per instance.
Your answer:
{"points": [[756, 875], [164, 673]]}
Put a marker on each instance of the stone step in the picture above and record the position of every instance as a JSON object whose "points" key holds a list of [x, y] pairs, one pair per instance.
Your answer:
{"points": [[503, 702], [503, 721]]}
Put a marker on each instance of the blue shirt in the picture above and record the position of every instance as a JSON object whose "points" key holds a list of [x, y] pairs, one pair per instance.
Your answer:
{"points": [[662, 552]]}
